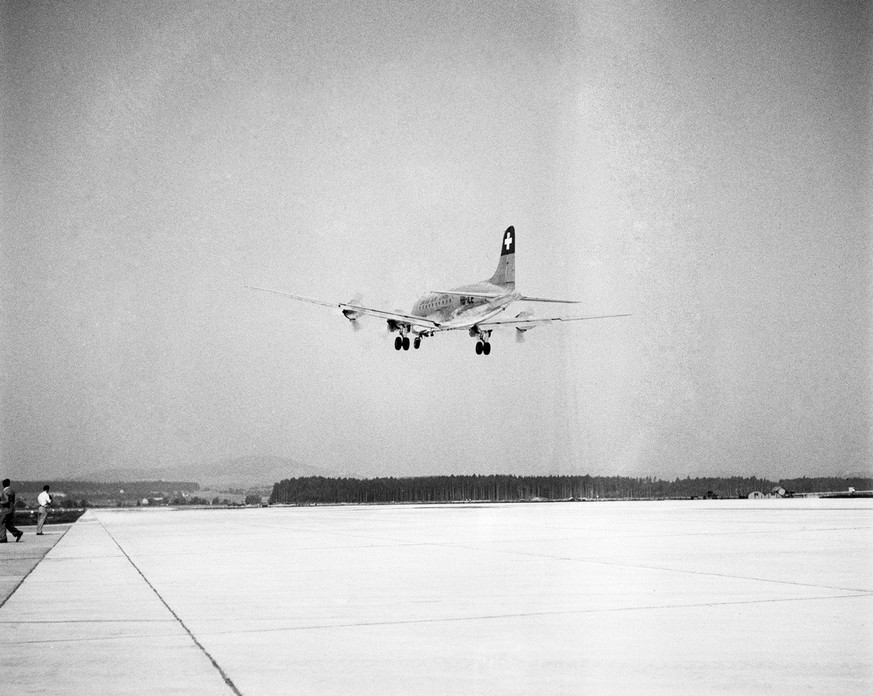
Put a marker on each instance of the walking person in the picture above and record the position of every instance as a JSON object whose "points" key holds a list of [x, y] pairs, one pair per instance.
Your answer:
{"points": [[7, 510], [45, 502]]}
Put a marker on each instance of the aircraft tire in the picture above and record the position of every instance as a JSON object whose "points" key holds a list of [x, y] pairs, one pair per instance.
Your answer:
{"points": [[486, 348], [406, 343], [416, 343], [398, 343], [479, 347]]}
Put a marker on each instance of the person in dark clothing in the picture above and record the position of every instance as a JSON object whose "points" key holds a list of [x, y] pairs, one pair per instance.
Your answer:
{"points": [[7, 510]]}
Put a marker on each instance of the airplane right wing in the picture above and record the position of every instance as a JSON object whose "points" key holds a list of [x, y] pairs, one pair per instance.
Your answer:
{"points": [[525, 298], [525, 321], [353, 310]]}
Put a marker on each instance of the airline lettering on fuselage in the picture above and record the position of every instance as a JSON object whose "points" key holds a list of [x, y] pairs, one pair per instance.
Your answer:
{"points": [[468, 300]]}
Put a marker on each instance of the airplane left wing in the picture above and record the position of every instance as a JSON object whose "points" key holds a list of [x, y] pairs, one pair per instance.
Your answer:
{"points": [[353, 310]]}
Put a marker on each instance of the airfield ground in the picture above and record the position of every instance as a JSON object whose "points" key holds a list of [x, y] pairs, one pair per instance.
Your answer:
{"points": [[698, 597]]}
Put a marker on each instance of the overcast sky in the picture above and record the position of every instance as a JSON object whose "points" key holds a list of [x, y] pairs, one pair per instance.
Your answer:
{"points": [[703, 165]]}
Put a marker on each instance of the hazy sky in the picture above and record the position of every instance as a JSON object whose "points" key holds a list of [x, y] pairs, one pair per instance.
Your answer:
{"points": [[703, 165]]}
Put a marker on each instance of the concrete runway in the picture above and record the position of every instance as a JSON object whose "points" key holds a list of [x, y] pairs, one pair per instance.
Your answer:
{"points": [[566, 598]]}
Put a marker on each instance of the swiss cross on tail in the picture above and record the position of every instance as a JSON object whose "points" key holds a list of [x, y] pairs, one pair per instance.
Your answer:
{"points": [[508, 242]]}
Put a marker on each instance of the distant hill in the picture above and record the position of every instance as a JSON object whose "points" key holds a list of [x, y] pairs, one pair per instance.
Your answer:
{"points": [[242, 472]]}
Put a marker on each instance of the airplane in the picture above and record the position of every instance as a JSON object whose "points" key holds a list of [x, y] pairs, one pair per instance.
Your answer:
{"points": [[474, 308]]}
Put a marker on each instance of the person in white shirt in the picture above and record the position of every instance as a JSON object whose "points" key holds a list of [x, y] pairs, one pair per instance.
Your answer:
{"points": [[45, 500]]}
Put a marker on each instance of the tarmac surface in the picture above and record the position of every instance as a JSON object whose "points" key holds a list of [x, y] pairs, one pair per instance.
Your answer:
{"points": [[18, 559], [562, 598]]}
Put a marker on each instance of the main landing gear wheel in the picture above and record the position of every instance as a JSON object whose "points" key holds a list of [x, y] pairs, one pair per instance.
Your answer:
{"points": [[483, 348], [417, 343], [403, 342]]}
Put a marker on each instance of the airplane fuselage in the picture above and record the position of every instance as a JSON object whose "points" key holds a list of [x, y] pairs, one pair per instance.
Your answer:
{"points": [[464, 306]]}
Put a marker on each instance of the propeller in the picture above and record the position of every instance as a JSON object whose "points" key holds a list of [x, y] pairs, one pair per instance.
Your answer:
{"points": [[520, 332], [351, 315]]}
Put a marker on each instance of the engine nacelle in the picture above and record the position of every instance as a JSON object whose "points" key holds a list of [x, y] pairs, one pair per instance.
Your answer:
{"points": [[522, 327]]}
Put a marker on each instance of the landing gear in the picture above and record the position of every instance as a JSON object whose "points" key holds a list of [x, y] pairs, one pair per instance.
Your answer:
{"points": [[483, 346], [407, 335], [403, 343]]}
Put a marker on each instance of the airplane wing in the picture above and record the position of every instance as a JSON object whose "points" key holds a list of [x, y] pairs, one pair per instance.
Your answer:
{"points": [[525, 298], [352, 311], [525, 320]]}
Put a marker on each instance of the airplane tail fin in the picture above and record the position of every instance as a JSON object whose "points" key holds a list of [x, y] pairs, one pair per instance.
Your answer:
{"points": [[505, 273]]}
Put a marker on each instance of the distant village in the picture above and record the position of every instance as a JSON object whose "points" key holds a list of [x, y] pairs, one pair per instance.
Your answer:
{"points": [[85, 494]]}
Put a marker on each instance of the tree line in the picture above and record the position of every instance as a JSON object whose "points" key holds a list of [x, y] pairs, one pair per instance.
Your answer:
{"points": [[310, 490]]}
